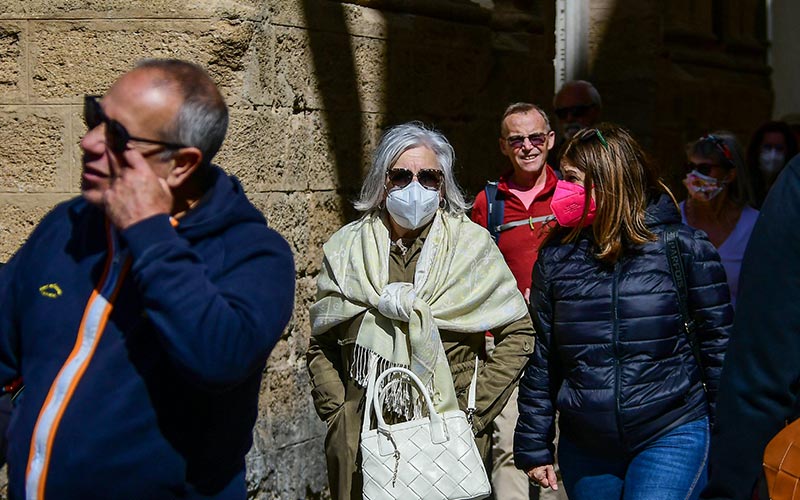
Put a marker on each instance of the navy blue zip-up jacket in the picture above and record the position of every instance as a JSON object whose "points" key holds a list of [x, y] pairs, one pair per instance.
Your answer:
{"points": [[141, 351], [611, 353]]}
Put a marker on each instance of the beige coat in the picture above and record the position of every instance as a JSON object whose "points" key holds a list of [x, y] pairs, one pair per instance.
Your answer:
{"points": [[339, 400]]}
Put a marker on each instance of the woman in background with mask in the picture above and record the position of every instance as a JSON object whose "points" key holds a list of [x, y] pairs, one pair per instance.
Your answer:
{"points": [[719, 200], [771, 147], [611, 355], [412, 283]]}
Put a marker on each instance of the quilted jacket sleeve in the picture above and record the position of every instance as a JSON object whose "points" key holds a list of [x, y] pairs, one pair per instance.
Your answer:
{"points": [[533, 439], [709, 306]]}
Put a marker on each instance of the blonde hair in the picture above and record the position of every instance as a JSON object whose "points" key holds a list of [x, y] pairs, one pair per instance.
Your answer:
{"points": [[624, 183]]}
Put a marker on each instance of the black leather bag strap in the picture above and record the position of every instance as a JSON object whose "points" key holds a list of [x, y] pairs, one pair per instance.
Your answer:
{"points": [[495, 207], [679, 276]]}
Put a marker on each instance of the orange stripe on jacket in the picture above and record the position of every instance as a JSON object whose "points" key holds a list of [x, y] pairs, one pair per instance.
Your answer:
{"points": [[79, 373]]}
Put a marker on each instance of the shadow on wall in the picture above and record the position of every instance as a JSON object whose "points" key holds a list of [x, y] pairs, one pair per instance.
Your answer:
{"points": [[335, 71], [673, 71], [451, 64]]}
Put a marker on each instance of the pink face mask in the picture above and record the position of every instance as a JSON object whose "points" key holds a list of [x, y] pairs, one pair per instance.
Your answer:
{"points": [[568, 202]]}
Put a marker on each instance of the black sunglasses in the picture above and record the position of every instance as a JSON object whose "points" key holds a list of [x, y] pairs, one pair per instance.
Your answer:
{"points": [[701, 168], [117, 135], [575, 111], [427, 177], [517, 141]]}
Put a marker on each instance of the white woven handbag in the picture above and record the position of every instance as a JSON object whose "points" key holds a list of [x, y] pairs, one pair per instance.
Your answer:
{"points": [[429, 458]]}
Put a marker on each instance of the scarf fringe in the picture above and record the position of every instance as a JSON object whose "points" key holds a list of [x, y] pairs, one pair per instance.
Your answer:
{"points": [[401, 397]]}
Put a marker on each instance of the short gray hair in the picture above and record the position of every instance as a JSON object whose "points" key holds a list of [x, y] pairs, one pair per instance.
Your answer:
{"points": [[202, 119], [394, 142], [523, 108]]}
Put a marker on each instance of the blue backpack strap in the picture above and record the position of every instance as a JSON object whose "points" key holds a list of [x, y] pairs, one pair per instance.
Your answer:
{"points": [[494, 218]]}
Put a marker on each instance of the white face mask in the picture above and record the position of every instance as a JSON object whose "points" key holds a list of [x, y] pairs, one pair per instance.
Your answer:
{"points": [[770, 161], [413, 206]]}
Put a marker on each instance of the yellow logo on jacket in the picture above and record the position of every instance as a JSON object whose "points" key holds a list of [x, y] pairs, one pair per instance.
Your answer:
{"points": [[50, 290]]}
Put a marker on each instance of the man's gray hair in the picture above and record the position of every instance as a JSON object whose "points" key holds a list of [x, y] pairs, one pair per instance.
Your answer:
{"points": [[202, 119], [522, 108], [394, 142]]}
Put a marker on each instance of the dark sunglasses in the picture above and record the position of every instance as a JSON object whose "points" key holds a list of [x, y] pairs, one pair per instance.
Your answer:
{"points": [[574, 111], [702, 168], [427, 177], [517, 141], [117, 135], [588, 134]]}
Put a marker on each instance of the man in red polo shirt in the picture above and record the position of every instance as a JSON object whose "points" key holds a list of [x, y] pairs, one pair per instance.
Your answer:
{"points": [[523, 195]]}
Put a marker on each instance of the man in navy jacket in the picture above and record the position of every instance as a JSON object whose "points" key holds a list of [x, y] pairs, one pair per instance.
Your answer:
{"points": [[141, 315], [758, 390]]}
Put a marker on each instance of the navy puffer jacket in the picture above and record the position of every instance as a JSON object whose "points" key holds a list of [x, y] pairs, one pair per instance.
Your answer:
{"points": [[611, 353]]}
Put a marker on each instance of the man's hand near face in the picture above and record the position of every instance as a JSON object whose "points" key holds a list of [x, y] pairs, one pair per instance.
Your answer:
{"points": [[136, 192]]}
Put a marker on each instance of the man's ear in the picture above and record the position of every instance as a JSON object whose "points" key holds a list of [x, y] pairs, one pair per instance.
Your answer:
{"points": [[184, 163]]}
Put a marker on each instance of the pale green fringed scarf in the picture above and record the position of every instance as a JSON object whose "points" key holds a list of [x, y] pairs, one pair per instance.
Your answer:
{"points": [[461, 284]]}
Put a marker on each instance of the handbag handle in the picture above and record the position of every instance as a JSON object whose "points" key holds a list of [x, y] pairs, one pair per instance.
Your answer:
{"points": [[371, 376], [375, 399]]}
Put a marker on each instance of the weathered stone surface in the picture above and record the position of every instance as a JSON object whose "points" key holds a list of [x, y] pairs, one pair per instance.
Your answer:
{"points": [[70, 58], [12, 62], [311, 64], [340, 149], [324, 15], [300, 327], [372, 73], [74, 153], [33, 157], [305, 220], [19, 215], [287, 440], [328, 211], [290, 351], [281, 468], [290, 408], [125, 9], [267, 150], [288, 214]]}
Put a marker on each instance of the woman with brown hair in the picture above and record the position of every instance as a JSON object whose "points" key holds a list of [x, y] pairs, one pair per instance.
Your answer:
{"points": [[612, 355]]}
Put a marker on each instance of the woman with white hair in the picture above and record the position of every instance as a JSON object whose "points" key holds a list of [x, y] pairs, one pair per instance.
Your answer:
{"points": [[412, 283]]}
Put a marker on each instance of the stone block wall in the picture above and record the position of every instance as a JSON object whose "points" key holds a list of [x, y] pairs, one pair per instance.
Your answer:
{"points": [[310, 84]]}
